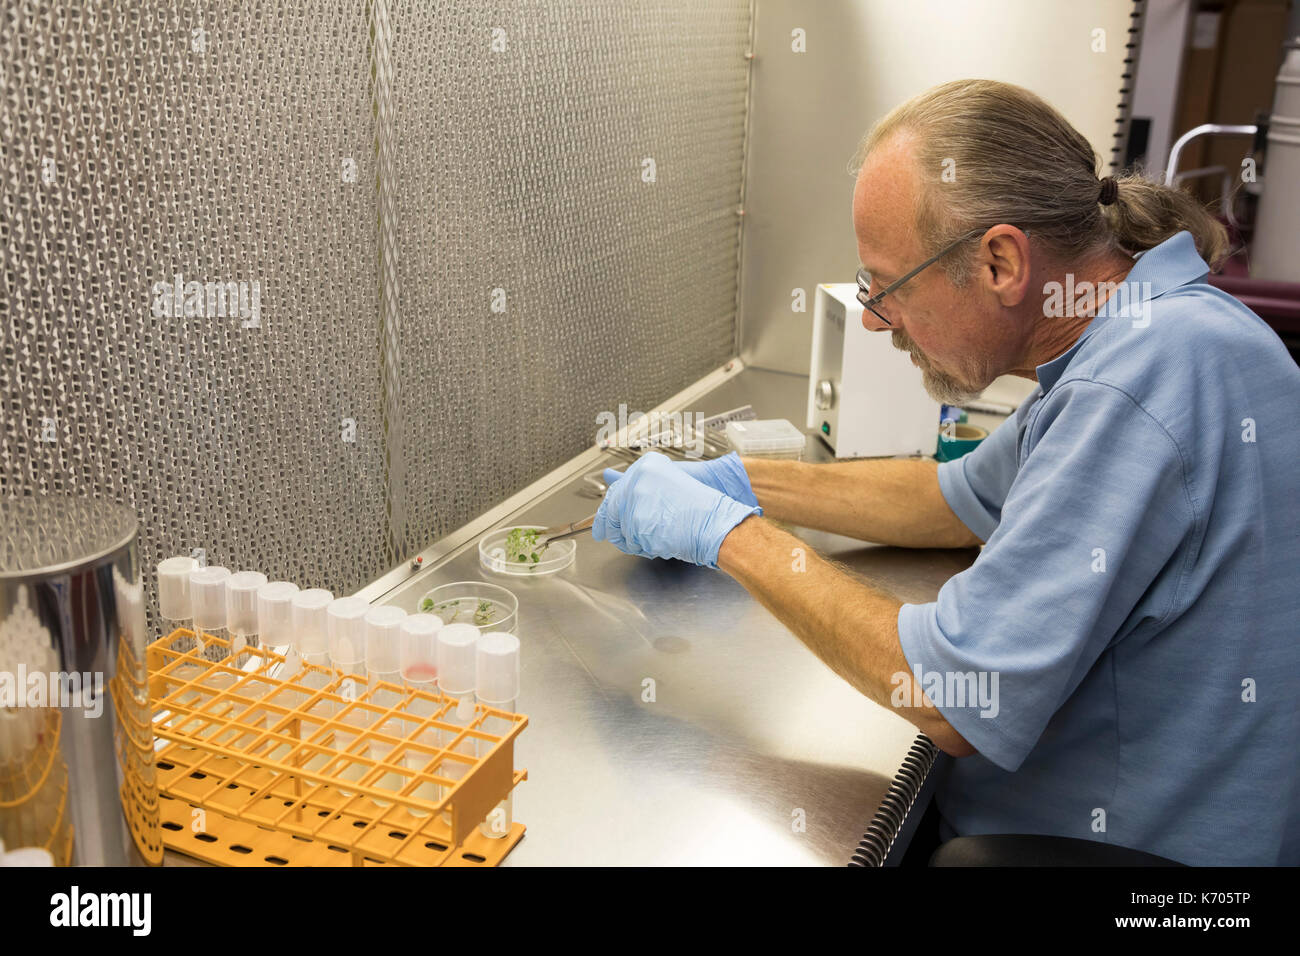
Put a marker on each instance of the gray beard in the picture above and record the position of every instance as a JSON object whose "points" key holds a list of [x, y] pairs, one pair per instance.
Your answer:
{"points": [[940, 386]]}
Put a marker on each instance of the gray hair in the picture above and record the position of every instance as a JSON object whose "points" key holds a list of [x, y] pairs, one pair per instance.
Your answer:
{"points": [[1014, 159]]}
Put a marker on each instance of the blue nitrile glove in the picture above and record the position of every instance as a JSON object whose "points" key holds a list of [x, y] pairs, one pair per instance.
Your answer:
{"points": [[725, 474], [656, 510]]}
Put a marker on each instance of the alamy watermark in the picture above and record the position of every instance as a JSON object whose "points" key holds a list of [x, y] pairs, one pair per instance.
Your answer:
{"points": [[683, 430], [1125, 300], [948, 689], [178, 298], [53, 689], [74, 908]]}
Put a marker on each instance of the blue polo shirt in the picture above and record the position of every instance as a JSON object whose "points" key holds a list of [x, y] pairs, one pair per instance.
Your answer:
{"points": [[1133, 614]]}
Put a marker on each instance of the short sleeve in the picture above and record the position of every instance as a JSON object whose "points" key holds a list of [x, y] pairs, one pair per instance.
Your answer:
{"points": [[1093, 517], [976, 484]]}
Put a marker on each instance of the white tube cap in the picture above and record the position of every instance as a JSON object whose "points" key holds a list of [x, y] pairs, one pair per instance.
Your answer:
{"points": [[498, 668], [309, 631], [208, 595], [241, 601], [275, 612], [346, 626], [456, 643], [174, 588], [384, 638]]}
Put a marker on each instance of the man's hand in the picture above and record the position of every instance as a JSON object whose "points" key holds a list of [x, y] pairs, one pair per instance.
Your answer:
{"points": [[726, 474], [657, 510]]}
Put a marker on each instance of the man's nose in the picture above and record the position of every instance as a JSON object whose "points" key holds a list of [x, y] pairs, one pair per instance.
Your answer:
{"points": [[872, 322]]}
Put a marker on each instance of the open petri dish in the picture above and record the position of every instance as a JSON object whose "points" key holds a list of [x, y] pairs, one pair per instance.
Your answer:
{"points": [[489, 607], [497, 554]]}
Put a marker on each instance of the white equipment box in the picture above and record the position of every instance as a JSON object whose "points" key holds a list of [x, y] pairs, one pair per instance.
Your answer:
{"points": [[865, 397]]}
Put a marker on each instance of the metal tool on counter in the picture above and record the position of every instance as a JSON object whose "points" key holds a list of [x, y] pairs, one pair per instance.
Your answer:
{"points": [[674, 440], [711, 435], [717, 423], [562, 531], [593, 484]]}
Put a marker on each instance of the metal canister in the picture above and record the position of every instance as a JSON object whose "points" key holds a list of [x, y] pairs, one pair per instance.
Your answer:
{"points": [[77, 774], [1273, 247]]}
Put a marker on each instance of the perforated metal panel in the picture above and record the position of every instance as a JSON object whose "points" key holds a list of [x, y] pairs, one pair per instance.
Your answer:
{"points": [[377, 170], [523, 170]]}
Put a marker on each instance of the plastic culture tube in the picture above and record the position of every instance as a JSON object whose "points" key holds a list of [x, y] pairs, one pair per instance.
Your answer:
{"points": [[383, 665], [497, 667], [310, 631], [381, 749], [419, 659], [208, 596], [241, 613], [346, 630], [174, 598], [311, 641], [384, 652], [456, 652], [241, 619], [176, 611], [275, 613], [275, 623]]}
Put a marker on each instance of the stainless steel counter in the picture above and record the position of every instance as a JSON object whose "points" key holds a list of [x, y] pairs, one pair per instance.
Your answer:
{"points": [[748, 734]]}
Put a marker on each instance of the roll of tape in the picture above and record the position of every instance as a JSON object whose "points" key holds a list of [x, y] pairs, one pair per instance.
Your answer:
{"points": [[958, 440]]}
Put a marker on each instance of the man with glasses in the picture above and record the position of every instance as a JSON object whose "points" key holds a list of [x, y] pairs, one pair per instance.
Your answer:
{"points": [[1134, 601]]}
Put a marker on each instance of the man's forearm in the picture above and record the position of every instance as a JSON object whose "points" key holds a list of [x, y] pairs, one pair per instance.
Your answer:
{"points": [[852, 627], [888, 501]]}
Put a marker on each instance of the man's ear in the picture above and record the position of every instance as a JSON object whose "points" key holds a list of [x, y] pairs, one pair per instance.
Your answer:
{"points": [[1004, 262]]}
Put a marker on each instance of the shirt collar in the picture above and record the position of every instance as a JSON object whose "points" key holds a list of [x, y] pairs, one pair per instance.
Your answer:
{"points": [[1173, 263]]}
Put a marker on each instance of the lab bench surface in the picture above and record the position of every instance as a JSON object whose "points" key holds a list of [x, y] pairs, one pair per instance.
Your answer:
{"points": [[671, 719]]}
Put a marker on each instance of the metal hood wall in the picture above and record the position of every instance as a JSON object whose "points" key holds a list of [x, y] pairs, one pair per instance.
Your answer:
{"points": [[809, 111], [308, 284]]}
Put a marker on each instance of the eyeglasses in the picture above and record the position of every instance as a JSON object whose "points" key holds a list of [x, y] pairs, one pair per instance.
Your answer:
{"points": [[870, 301]]}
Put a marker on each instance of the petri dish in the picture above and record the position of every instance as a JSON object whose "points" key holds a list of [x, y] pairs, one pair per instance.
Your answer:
{"points": [[489, 607], [493, 554]]}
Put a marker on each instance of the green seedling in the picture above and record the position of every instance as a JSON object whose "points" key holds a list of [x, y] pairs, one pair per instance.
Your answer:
{"points": [[439, 608], [450, 610], [521, 546]]}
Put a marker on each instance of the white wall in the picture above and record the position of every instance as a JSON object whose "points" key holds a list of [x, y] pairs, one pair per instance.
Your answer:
{"points": [[809, 110]]}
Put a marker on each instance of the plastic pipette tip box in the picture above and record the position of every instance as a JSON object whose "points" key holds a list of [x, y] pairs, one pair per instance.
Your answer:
{"points": [[767, 438]]}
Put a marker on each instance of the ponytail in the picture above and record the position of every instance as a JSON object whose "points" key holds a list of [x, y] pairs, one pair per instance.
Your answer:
{"points": [[1146, 213]]}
